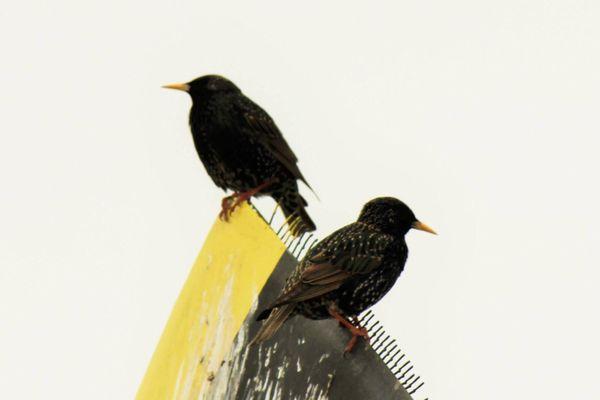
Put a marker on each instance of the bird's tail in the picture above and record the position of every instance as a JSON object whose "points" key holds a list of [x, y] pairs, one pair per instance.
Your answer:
{"points": [[276, 318], [293, 206]]}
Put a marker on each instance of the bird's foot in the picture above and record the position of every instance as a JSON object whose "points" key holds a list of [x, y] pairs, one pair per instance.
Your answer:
{"points": [[230, 203], [355, 331], [226, 207]]}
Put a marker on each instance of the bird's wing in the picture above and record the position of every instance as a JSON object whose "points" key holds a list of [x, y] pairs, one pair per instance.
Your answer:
{"points": [[271, 137], [353, 253]]}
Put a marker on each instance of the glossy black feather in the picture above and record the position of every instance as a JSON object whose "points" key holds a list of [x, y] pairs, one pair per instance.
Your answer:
{"points": [[351, 269], [242, 148]]}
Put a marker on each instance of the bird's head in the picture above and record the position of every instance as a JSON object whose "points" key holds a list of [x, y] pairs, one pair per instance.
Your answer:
{"points": [[205, 86], [392, 216]]}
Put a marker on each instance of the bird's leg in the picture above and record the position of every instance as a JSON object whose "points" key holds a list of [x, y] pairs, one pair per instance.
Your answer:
{"points": [[355, 331], [229, 203], [245, 196]]}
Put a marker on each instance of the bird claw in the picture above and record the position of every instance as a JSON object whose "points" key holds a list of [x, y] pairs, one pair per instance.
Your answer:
{"points": [[355, 330], [356, 333], [230, 203], [227, 207]]}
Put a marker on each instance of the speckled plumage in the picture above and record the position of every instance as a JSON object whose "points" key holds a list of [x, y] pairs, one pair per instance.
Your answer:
{"points": [[350, 270], [242, 148]]}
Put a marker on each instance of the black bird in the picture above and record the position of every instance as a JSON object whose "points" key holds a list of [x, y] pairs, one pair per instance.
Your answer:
{"points": [[243, 150], [348, 271]]}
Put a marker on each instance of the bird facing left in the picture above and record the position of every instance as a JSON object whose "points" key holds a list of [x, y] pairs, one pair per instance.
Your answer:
{"points": [[243, 150]]}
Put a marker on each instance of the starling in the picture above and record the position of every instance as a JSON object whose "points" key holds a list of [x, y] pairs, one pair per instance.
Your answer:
{"points": [[243, 150], [348, 271]]}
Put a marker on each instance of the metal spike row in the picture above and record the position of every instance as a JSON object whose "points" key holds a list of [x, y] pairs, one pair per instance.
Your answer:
{"points": [[372, 327], [287, 227], [412, 382], [294, 243], [416, 388], [289, 237], [386, 348], [390, 353], [397, 361], [288, 224], [300, 238], [377, 337], [278, 231], [296, 221], [365, 314], [383, 341], [284, 225], [374, 334], [313, 243], [300, 251], [366, 318], [405, 372], [382, 350], [400, 368], [301, 243], [273, 213], [407, 380]]}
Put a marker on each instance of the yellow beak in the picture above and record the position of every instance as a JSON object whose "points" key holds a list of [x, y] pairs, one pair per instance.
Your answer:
{"points": [[422, 227], [178, 86]]}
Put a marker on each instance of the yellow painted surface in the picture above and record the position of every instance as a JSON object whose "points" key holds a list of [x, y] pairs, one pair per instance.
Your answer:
{"points": [[233, 266]]}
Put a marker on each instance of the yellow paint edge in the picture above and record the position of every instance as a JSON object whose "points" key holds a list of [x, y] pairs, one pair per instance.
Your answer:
{"points": [[235, 262]]}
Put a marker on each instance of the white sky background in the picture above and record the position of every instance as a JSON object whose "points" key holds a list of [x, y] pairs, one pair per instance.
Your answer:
{"points": [[482, 116]]}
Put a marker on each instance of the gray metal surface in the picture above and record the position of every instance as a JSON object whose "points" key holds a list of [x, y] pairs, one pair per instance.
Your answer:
{"points": [[304, 360]]}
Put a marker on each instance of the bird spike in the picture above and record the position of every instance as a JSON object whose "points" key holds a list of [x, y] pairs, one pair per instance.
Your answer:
{"points": [[366, 318], [287, 236], [295, 243], [313, 244], [416, 388], [377, 346], [300, 239], [289, 242], [390, 353], [409, 378], [279, 230], [376, 331], [289, 228], [294, 225], [273, 213], [285, 224], [383, 351], [290, 234], [306, 246], [364, 315], [375, 336], [293, 222], [387, 349], [410, 367], [411, 382], [400, 368], [306, 241], [396, 363]]}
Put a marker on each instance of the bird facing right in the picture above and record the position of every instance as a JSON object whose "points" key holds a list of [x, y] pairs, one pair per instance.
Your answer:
{"points": [[348, 271]]}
